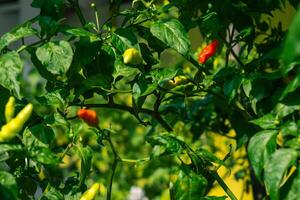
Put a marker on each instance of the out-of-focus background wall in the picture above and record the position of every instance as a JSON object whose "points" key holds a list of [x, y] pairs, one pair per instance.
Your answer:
{"points": [[14, 12]]}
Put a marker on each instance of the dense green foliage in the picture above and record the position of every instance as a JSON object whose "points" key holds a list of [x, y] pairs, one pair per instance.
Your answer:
{"points": [[152, 134]]}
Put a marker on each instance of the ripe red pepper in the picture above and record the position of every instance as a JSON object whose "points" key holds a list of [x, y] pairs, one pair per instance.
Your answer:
{"points": [[88, 116], [208, 52]]}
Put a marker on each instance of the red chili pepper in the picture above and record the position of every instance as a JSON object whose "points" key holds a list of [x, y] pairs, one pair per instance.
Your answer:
{"points": [[89, 116], [208, 52]]}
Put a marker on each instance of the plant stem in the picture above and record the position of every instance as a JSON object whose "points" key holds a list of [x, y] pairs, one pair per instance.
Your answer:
{"points": [[134, 161], [232, 52], [23, 47], [129, 109], [223, 185], [66, 150], [114, 167], [196, 64]]}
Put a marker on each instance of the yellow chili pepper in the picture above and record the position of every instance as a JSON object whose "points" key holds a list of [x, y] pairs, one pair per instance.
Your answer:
{"points": [[9, 109], [180, 80], [170, 84], [132, 56], [91, 193], [14, 126]]}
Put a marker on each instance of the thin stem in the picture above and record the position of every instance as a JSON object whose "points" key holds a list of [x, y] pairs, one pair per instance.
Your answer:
{"points": [[23, 47], [134, 161], [113, 149], [97, 20], [232, 52], [129, 109], [195, 63], [114, 167], [66, 150], [223, 185], [93, 5]]}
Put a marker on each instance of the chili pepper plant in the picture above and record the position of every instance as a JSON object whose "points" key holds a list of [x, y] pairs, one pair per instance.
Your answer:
{"points": [[136, 101]]}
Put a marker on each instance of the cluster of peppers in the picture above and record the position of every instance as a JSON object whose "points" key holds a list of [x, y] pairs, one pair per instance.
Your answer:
{"points": [[14, 124], [133, 57]]}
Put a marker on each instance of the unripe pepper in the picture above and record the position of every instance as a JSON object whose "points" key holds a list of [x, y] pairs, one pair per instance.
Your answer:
{"points": [[132, 56], [14, 126], [168, 85], [88, 116], [91, 193], [180, 80], [177, 80], [9, 109], [208, 52]]}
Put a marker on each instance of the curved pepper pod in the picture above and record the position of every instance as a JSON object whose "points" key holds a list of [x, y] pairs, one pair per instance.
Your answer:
{"points": [[14, 126], [91, 193], [9, 109], [208, 52]]}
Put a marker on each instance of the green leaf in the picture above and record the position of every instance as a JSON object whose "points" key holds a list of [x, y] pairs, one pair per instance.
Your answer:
{"points": [[188, 185], [85, 154], [44, 155], [164, 74], [43, 133], [56, 56], [173, 34], [290, 190], [11, 67], [141, 89], [208, 156], [8, 186], [210, 24], [10, 147], [260, 147], [122, 70], [123, 39], [49, 26], [78, 32], [232, 85], [275, 169], [52, 194], [52, 8], [268, 121], [291, 49], [291, 87], [165, 145], [155, 43], [247, 87], [147, 55], [52, 100], [98, 80], [290, 128], [81, 54], [17, 33], [283, 110]]}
